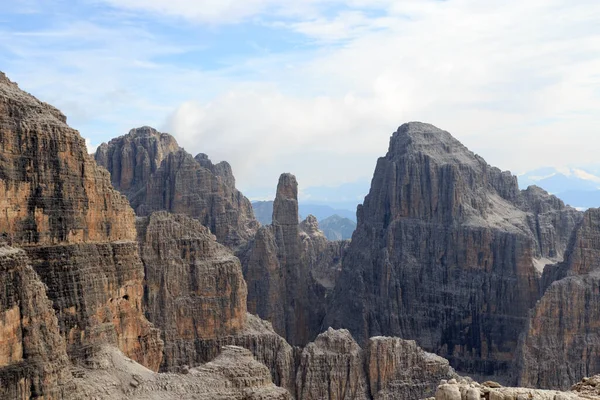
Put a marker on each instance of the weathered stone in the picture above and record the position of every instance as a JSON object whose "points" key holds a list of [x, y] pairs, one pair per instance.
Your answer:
{"points": [[234, 375], [78, 231], [444, 253], [331, 367], [194, 286], [156, 174], [399, 369], [562, 342], [33, 359], [290, 268]]}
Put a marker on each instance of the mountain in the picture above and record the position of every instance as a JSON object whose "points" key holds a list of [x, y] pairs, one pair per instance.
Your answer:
{"points": [[575, 186], [263, 211], [290, 268], [337, 228], [448, 252], [156, 174]]}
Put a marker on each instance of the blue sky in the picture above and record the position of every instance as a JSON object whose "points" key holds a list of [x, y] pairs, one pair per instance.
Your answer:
{"points": [[316, 87]]}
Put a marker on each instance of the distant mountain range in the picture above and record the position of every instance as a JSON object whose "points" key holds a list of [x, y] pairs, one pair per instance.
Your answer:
{"points": [[337, 224], [337, 228], [575, 186]]}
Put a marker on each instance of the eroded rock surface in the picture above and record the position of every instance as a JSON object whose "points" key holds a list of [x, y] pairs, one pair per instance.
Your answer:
{"points": [[234, 374], [156, 174], [445, 252], [33, 358], [195, 289], [332, 367], [78, 231], [466, 389], [562, 342], [290, 267], [399, 369]]}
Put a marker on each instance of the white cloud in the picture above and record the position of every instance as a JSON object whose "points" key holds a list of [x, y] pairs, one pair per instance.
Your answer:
{"points": [[515, 81]]}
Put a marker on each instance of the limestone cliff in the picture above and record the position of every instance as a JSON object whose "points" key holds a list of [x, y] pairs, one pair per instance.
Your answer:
{"points": [[332, 367], [78, 231], [33, 358], [562, 342], [290, 268], [156, 174], [194, 286], [399, 369], [445, 252]]}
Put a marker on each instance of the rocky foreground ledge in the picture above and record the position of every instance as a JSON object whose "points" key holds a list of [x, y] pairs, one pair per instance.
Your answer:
{"points": [[466, 389]]}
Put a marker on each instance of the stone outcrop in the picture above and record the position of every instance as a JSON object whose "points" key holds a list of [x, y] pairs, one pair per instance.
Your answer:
{"points": [[290, 268], [399, 369], [156, 174], [78, 231], [466, 389], [195, 289], [445, 252], [33, 358], [562, 342], [234, 374], [267, 347], [332, 367], [335, 367]]}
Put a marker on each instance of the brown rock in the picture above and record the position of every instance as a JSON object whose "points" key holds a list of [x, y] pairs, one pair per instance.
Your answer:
{"points": [[399, 369], [156, 174], [332, 367], [194, 286], [290, 268], [33, 359], [78, 231]]}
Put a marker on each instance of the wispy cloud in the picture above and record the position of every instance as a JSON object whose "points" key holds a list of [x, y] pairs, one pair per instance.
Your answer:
{"points": [[316, 87]]}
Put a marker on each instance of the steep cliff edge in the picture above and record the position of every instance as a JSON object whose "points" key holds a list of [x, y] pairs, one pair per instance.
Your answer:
{"points": [[562, 342], [290, 268], [33, 358], [156, 174], [78, 231], [445, 252], [194, 286]]}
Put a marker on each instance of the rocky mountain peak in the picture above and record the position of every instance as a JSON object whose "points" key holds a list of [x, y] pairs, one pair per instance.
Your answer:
{"points": [[439, 145], [285, 207], [222, 169], [311, 226]]}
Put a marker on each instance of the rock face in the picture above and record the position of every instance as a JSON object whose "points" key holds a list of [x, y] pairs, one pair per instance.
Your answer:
{"points": [[290, 267], [33, 358], [194, 286], [156, 174], [399, 369], [332, 367], [78, 231], [445, 252], [562, 342], [234, 374], [335, 367]]}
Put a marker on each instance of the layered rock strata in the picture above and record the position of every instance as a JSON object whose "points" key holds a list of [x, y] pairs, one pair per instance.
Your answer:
{"points": [[445, 252], [78, 231], [290, 267], [195, 289], [234, 374], [334, 366], [33, 358], [156, 174], [562, 342]]}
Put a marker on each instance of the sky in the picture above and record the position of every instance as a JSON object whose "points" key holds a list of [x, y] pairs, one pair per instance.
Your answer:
{"points": [[316, 87]]}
